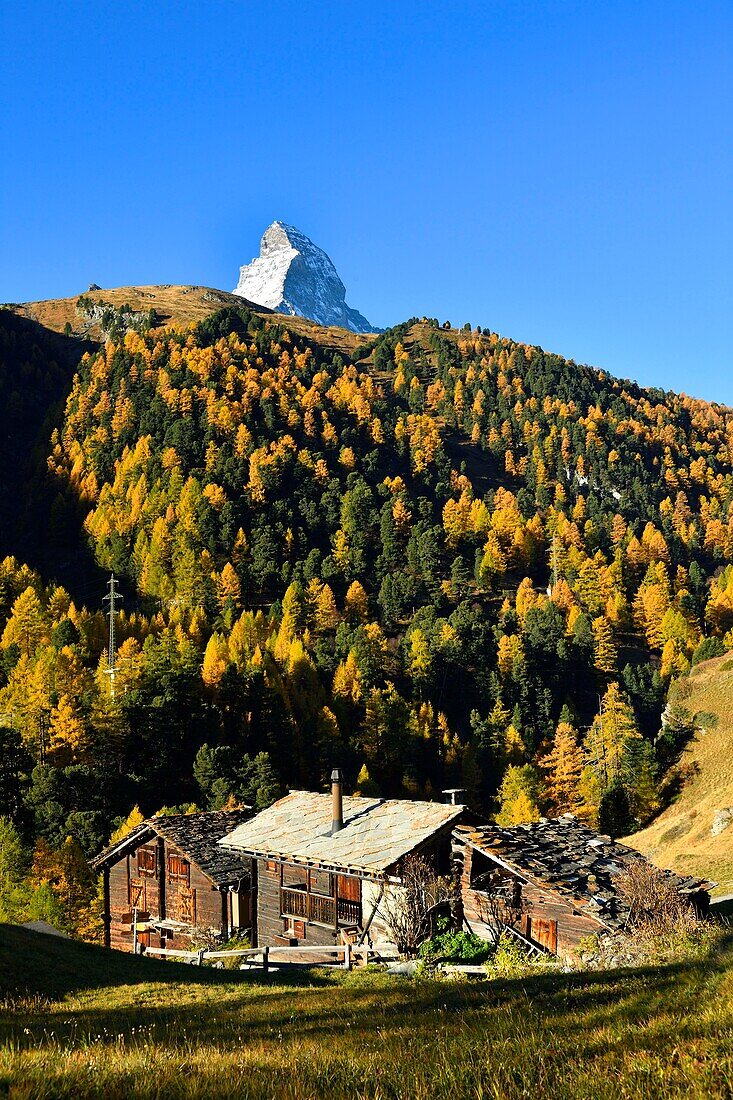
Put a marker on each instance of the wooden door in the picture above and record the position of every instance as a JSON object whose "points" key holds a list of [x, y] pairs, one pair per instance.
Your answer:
{"points": [[349, 900], [544, 932]]}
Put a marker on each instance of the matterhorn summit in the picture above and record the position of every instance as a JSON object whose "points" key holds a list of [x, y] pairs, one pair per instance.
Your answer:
{"points": [[292, 275]]}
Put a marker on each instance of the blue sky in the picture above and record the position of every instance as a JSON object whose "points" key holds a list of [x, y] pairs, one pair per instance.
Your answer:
{"points": [[559, 172]]}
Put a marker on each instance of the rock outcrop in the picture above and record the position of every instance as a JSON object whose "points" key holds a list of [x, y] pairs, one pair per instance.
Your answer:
{"points": [[292, 275], [721, 821]]}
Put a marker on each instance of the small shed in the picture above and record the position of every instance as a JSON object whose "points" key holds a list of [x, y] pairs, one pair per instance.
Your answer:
{"points": [[322, 862], [558, 879], [170, 877]]}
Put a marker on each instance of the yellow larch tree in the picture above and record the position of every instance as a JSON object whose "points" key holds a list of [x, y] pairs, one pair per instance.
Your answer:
{"points": [[563, 766], [133, 819], [525, 599], [612, 728], [25, 627], [518, 796], [356, 604], [228, 588], [66, 729], [347, 679], [510, 648], [605, 654], [650, 607], [325, 611], [341, 549], [216, 657]]}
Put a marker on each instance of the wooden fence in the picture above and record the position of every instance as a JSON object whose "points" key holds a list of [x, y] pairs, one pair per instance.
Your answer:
{"points": [[344, 955]]}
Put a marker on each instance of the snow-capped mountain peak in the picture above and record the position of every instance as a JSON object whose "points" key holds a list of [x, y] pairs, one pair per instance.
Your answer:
{"points": [[294, 276]]}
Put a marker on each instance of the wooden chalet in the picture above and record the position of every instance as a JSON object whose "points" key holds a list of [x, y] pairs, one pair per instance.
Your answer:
{"points": [[172, 880], [322, 863], [557, 879]]}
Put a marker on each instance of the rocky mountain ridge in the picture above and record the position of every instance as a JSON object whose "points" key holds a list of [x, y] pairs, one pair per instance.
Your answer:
{"points": [[294, 276]]}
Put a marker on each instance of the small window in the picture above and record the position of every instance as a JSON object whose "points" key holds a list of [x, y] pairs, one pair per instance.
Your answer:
{"points": [[270, 866], [179, 870], [147, 863]]}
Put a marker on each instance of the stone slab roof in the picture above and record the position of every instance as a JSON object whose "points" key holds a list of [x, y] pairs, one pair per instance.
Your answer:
{"points": [[377, 832], [565, 856], [196, 835]]}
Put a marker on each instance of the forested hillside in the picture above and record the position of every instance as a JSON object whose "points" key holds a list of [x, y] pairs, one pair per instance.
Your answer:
{"points": [[439, 559]]}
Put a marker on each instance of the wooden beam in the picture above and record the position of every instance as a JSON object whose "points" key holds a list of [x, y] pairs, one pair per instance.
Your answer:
{"points": [[107, 915], [253, 900], [335, 892], [225, 913], [161, 878]]}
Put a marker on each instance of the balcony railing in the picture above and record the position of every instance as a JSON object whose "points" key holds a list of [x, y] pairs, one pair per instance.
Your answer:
{"points": [[319, 908], [293, 903]]}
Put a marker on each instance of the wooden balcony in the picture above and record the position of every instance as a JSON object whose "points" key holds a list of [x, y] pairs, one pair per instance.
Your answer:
{"points": [[349, 912], [293, 903], [319, 908]]}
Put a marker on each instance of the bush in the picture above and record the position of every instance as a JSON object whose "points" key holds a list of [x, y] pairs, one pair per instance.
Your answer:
{"points": [[448, 945], [662, 924], [679, 690], [510, 960], [240, 940]]}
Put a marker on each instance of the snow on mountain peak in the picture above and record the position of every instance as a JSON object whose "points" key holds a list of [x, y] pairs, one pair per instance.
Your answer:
{"points": [[294, 276]]}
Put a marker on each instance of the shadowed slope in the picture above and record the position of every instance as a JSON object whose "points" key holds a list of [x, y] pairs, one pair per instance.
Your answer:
{"points": [[184, 1032]]}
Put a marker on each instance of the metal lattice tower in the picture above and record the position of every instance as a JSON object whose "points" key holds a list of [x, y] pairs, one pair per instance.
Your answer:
{"points": [[113, 596]]}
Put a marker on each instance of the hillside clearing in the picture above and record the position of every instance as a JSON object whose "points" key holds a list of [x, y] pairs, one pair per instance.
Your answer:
{"points": [[681, 838], [116, 1026]]}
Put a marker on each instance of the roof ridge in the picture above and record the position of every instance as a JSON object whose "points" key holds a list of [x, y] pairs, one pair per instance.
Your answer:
{"points": [[377, 832], [376, 800]]}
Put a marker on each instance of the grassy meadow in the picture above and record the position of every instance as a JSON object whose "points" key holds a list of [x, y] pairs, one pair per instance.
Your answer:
{"points": [[680, 837], [81, 1022]]}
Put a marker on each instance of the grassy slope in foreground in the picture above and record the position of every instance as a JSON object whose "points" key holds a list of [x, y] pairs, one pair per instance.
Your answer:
{"points": [[120, 1027], [680, 837]]}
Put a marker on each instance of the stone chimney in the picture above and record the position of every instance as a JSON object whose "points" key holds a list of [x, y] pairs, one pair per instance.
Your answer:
{"points": [[454, 796], [337, 801]]}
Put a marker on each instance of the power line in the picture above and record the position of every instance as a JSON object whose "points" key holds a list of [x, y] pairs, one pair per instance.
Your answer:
{"points": [[112, 596]]}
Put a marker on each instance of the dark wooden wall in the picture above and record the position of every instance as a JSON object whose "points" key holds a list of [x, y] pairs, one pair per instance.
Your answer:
{"points": [[195, 901], [271, 927], [120, 934], [550, 919], [269, 923]]}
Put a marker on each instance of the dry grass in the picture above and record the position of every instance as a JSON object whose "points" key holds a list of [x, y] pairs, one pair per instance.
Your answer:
{"points": [[122, 1027], [177, 304], [180, 305], [680, 837]]}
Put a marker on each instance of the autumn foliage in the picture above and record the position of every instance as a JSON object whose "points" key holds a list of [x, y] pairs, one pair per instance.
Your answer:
{"points": [[453, 561]]}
